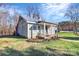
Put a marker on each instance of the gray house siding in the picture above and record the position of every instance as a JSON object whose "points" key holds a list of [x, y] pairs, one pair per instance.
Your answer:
{"points": [[22, 28]]}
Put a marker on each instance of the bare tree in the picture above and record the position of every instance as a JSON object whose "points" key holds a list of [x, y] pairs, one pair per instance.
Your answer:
{"points": [[33, 12], [73, 14], [3, 21]]}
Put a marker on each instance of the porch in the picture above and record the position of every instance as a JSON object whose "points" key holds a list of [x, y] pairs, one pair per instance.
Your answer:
{"points": [[43, 30], [46, 30]]}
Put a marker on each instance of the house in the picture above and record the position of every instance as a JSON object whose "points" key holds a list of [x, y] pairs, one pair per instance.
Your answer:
{"points": [[34, 29], [25, 26], [68, 26]]}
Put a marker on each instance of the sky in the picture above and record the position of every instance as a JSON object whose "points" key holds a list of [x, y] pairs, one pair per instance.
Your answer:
{"points": [[51, 12]]}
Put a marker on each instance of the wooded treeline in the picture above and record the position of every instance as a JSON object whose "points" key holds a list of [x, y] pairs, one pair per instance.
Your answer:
{"points": [[8, 23]]}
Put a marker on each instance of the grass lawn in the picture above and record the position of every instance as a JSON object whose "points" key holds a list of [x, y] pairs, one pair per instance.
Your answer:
{"points": [[67, 34], [15, 46]]}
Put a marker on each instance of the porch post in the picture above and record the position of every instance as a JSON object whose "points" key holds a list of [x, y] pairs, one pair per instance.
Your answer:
{"points": [[51, 30], [37, 29], [44, 29]]}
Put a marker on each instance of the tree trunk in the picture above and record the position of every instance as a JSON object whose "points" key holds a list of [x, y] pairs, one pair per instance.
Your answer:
{"points": [[75, 27]]}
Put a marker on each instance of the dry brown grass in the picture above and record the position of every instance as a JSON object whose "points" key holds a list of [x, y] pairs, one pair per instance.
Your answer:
{"points": [[13, 43]]}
